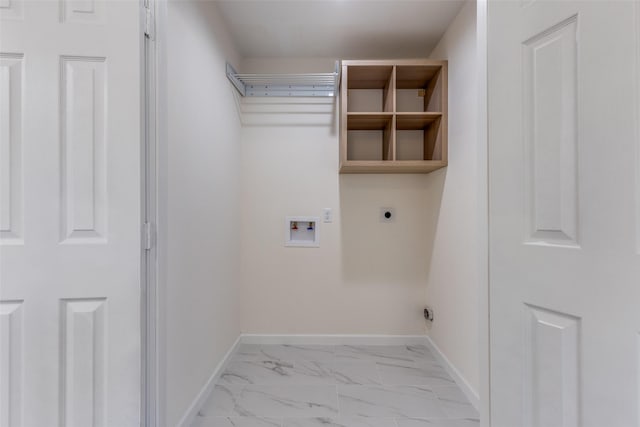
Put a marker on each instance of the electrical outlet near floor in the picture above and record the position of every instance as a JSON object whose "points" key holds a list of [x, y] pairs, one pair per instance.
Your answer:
{"points": [[428, 314]]}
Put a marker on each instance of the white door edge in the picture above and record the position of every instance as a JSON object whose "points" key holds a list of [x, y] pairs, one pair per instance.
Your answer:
{"points": [[151, 373], [156, 213], [483, 216]]}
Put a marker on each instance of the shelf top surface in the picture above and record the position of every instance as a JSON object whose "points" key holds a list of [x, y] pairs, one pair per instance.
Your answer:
{"points": [[393, 62], [376, 121], [376, 74], [391, 166], [416, 121], [404, 120], [399, 114]]}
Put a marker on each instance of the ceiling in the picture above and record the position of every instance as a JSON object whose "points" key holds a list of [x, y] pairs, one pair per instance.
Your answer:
{"points": [[344, 29]]}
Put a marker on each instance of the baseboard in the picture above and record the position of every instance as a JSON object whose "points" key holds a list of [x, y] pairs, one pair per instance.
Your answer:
{"points": [[333, 339], [189, 417], [466, 388]]}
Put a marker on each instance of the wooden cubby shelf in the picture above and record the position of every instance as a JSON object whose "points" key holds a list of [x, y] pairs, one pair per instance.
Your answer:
{"points": [[393, 116]]}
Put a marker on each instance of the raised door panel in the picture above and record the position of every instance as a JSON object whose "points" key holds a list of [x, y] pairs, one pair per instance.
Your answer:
{"points": [[83, 342], [550, 132], [11, 112], [83, 124], [84, 11], [11, 363], [11, 9], [552, 371]]}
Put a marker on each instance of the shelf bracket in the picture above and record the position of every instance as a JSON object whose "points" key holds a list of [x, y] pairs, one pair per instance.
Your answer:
{"points": [[231, 74], [337, 72]]}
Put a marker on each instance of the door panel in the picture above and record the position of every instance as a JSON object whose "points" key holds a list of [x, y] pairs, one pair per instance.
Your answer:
{"points": [[11, 9], [11, 362], [83, 116], [70, 214], [552, 364], [563, 162], [11, 209], [550, 134], [83, 376]]}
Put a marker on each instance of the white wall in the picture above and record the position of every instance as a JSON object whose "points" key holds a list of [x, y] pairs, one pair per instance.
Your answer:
{"points": [[455, 266], [200, 199], [367, 277]]}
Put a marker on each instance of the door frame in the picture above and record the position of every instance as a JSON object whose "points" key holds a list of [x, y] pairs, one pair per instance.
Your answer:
{"points": [[154, 186], [152, 381], [484, 349], [154, 209]]}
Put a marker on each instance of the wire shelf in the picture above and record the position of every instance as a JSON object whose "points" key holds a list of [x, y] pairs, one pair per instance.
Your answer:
{"points": [[286, 85]]}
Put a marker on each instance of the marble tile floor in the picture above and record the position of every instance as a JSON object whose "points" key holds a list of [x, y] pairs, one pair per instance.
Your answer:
{"points": [[335, 386]]}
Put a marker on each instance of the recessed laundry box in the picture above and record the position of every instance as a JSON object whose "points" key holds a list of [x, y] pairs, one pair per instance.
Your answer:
{"points": [[302, 231]]}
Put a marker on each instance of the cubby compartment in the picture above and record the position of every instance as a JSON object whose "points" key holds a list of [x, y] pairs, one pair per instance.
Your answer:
{"points": [[370, 89], [418, 137], [393, 116], [369, 137], [419, 88]]}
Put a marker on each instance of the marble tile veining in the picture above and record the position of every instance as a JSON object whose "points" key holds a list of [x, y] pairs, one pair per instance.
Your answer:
{"points": [[223, 402], [248, 352], [335, 386], [389, 401], [455, 403], [414, 373], [451, 393], [340, 422], [201, 421], [273, 372], [288, 352], [378, 353], [290, 401], [421, 422], [273, 401], [420, 352], [356, 373]]}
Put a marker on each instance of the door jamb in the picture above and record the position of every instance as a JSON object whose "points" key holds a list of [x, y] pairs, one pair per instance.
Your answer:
{"points": [[154, 159], [152, 384], [482, 18]]}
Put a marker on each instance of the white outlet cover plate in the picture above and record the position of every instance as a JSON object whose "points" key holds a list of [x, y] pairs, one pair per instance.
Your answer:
{"points": [[327, 215]]}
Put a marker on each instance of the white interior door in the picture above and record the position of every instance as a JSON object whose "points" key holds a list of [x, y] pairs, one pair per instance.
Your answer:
{"points": [[564, 269], [70, 213]]}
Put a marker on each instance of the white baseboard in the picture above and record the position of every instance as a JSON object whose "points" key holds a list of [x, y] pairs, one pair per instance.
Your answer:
{"points": [[189, 417], [466, 388], [333, 339]]}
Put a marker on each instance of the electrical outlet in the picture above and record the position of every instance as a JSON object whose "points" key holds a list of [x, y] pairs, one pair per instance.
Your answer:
{"points": [[387, 215], [428, 314]]}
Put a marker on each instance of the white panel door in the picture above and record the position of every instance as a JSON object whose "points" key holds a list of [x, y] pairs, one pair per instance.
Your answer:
{"points": [[564, 248], [70, 213]]}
